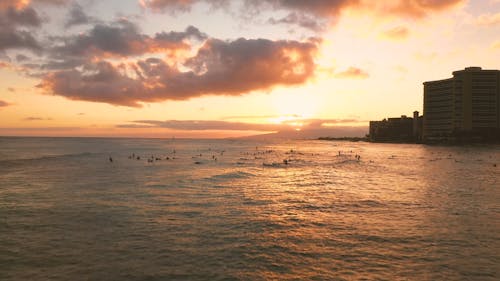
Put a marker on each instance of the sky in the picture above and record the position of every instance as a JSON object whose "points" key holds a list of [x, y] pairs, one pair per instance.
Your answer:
{"points": [[229, 68]]}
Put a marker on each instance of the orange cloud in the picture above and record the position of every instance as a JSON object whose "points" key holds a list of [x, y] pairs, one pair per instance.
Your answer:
{"points": [[353, 73], [17, 4], [396, 33], [4, 103], [202, 125], [22, 4], [417, 8], [489, 19], [10, 66], [172, 5], [219, 68], [34, 118]]}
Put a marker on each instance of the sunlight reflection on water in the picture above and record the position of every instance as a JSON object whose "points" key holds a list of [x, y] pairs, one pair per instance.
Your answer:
{"points": [[408, 212]]}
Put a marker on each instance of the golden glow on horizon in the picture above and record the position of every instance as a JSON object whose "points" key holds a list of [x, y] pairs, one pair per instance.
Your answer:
{"points": [[292, 106]]}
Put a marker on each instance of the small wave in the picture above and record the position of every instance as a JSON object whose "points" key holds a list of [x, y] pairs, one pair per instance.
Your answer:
{"points": [[155, 186], [366, 204], [273, 165], [371, 203], [21, 161], [348, 161], [231, 175]]}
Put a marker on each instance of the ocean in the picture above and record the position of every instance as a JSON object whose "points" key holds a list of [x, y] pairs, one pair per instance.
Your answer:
{"points": [[175, 209]]}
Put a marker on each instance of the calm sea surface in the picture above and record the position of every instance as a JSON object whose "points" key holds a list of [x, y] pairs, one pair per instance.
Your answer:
{"points": [[233, 210]]}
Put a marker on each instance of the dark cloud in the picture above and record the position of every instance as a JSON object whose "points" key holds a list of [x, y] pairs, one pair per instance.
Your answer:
{"points": [[173, 36], [304, 21], [22, 12], [219, 68], [33, 118], [123, 39], [26, 16], [17, 39], [21, 58], [36, 130], [323, 8], [13, 16], [77, 16], [4, 103], [319, 7], [330, 9], [353, 73], [60, 63], [201, 125], [180, 5]]}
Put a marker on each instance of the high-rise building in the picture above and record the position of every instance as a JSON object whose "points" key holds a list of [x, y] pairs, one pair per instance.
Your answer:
{"points": [[468, 104]]}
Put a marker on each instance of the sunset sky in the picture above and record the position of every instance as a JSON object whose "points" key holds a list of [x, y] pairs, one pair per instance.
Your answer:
{"points": [[222, 68]]}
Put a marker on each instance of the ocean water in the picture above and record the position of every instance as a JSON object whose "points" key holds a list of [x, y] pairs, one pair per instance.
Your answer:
{"points": [[234, 210]]}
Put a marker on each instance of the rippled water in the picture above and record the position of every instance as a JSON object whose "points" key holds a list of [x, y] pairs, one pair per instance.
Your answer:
{"points": [[403, 212]]}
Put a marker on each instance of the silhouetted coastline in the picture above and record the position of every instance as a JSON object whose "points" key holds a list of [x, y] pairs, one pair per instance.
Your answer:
{"points": [[351, 139]]}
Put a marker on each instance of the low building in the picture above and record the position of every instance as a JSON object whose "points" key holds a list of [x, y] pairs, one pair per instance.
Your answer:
{"points": [[399, 129]]}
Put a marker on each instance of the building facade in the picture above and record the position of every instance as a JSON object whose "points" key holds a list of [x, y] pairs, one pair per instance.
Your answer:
{"points": [[398, 129], [466, 105]]}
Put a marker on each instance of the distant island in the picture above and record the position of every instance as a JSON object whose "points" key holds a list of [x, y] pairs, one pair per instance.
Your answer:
{"points": [[353, 139]]}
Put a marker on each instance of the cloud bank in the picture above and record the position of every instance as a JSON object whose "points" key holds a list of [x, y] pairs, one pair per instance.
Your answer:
{"points": [[317, 8], [313, 15], [201, 125], [218, 68]]}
